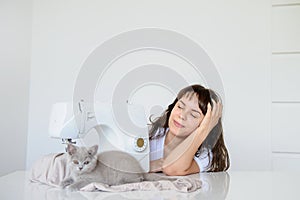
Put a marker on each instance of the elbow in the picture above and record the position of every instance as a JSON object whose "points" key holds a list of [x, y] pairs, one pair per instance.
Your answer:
{"points": [[168, 171], [171, 171]]}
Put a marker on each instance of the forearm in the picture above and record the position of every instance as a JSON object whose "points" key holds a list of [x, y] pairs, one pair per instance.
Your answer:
{"points": [[156, 165], [180, 159]]}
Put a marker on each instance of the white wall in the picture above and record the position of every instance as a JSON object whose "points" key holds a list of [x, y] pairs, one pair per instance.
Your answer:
{"points": [[15, 39], [235, 34], [285, 84]]}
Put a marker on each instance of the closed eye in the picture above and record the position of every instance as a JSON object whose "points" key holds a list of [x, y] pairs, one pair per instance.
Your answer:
{"points": [[180, 105], [195, 115]]}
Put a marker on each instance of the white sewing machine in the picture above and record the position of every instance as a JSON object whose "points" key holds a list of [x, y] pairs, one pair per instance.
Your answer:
{"points": [[69, 122]]}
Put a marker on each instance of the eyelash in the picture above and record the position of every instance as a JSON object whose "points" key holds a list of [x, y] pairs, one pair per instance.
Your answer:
{"points": [[182, 108], [193, 116]]}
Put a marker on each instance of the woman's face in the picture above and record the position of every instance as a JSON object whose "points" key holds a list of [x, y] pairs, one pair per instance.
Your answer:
{"points": [[186, 116]]}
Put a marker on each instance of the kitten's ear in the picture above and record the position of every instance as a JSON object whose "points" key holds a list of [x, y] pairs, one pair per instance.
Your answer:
{"points": [[71, 149], [93, 150]]}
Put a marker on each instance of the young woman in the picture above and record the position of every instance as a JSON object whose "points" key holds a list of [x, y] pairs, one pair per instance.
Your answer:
{"points": [[188, 137]]}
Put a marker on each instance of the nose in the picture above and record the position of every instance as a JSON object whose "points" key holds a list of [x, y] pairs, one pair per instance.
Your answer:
{"points": [[182, 115], [80, 168]]}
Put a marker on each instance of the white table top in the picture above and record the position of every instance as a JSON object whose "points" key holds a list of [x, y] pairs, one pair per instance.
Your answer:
{"points": [[231, 185]]}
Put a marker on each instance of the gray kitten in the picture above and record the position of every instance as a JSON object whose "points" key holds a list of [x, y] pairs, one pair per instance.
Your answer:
{"points": [[111, 168]]}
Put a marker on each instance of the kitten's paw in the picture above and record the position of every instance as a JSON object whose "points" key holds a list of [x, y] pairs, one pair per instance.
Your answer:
{"points": [[72, 188], [66, 183]]}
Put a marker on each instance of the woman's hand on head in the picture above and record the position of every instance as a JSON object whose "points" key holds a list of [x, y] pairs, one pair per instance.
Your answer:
{"points": [[212, 116]]}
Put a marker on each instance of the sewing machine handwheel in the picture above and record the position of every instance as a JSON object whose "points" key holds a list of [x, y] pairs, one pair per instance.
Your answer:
{"points": [[140, 144]]}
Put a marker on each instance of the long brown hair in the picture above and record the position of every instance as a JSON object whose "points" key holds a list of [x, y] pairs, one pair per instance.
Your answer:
{"points": [[214, 142]]}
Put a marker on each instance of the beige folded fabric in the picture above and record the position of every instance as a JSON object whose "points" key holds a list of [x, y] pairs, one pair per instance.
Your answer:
{"points": [[52, 169], [181, 185]]}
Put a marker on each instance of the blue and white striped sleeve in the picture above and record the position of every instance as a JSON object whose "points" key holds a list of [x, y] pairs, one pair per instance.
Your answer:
{"points": [[203, 161]]}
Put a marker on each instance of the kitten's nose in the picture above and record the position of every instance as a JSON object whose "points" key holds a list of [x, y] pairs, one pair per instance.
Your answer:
{"points": [[80, 168]]}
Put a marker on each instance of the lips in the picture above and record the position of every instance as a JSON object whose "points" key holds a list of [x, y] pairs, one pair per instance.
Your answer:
{"points": [[177, 124]]}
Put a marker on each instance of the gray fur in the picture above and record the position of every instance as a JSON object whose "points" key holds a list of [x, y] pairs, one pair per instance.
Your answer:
{"points": [[111, 168]]}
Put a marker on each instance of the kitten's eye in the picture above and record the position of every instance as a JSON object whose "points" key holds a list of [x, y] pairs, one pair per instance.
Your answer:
{"points": [[75, 162], [86, 162]]}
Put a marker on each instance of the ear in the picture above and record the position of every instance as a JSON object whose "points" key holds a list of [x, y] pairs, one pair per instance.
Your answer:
{"points": [[71, 149], [93, 150]]}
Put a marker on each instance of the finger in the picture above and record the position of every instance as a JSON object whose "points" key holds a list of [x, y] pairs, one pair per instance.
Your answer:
{"points": [[214, 108], [221, 110], [208, 112], [217, 110]]}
